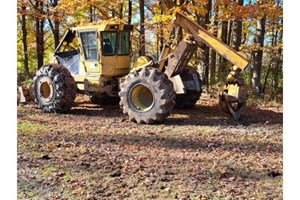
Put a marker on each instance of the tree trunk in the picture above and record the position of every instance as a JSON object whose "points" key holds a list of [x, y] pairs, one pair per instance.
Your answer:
{"points": [[258, 57], [222, 68], [206, 49], [212, 77], [142, 49], [161, 43], [129, 11], [224, 32], [237, 34], [56, 33], [229, 33], [277, 63], [213, 54], [56, 26], [203, 57], [91, 13], [39, 35], [157, 43], [276, 69], [266, 78], [278, 56], [121, 11], [274, 63], [237, 31], [24, 41], [40, 42], [161, 34], [179, 32]]}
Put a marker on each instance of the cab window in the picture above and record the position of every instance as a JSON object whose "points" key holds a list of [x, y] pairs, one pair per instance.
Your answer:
{"points": [[109, 43], [123, 43], [89, 44]]}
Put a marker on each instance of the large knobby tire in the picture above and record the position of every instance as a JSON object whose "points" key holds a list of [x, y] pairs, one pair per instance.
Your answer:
{"points": [[147, 96], [54, 89], [189, 99]]}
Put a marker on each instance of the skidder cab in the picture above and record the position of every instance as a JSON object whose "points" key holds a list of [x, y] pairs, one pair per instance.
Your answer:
{"points": [[93, 58]]}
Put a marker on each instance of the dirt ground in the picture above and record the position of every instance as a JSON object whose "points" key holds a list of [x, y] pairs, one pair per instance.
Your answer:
{"points": [[94, 152]]}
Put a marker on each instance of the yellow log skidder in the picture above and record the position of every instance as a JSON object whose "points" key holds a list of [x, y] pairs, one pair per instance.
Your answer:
{"points": [[95, 60]]}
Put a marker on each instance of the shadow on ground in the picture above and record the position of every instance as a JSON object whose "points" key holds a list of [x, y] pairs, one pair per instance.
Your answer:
{"points": [[211, 115]]}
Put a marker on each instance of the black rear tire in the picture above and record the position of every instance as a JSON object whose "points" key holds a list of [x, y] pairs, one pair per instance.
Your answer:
{"points": [[192, 95], [54, 89], [147, 96]]}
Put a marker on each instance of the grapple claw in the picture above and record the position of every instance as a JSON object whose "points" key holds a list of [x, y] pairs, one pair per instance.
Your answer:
{"points": [[233, 99]]}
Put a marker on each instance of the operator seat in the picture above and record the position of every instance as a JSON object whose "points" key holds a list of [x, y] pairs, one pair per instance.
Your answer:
{"points": [[107, 48]]}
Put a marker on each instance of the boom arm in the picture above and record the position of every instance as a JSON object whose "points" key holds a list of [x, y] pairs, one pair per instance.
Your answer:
{"points": [[233, 96], [201, 35]]}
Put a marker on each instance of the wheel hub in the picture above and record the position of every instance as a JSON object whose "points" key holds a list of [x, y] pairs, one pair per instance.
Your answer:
{"points": [[141, 98], [45, 89]]}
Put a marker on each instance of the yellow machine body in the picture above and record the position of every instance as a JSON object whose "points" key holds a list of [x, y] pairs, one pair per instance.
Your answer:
{"points": [[99, 58], [96, 55]]}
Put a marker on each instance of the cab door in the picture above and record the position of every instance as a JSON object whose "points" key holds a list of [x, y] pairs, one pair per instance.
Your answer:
{"points": [[123, 53], [108, 54], [90, 48]]}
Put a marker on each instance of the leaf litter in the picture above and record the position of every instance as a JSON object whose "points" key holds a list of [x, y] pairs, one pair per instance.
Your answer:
{"points": [[94, 152]]}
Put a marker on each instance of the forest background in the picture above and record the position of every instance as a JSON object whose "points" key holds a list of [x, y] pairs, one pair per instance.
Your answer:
{"points": [[252, 26]]}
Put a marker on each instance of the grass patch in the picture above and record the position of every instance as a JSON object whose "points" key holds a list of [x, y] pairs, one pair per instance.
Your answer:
{"points": [[28, 127], [48, 171], [67, 177]]}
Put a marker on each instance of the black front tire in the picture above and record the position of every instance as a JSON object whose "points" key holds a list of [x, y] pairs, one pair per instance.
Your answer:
{"points": [[54, 89], [147, 96]]}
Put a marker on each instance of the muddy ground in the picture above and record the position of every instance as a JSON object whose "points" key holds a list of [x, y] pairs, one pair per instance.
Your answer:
{"points": [[94, 152]]}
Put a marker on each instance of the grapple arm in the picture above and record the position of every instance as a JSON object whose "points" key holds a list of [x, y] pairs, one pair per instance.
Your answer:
{"points": [[233, 95]]}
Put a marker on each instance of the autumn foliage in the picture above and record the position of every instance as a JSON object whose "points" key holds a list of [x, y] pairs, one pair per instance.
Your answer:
{"points": [[255, 27]]}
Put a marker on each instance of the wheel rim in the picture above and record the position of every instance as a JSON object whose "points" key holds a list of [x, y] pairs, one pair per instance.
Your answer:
{"points": [[45, 90], [141, 98]]}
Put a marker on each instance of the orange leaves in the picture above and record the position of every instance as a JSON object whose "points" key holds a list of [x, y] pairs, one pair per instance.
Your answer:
{"points": [[199, 9], [195, 6], [239, 11], [77, 11], [229, 9], [203, 2], [220, 3], [232, 10]]}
